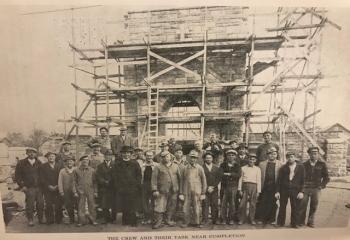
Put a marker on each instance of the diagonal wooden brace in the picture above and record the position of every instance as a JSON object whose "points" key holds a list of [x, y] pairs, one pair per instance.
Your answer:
{"points": [[174, 65]]}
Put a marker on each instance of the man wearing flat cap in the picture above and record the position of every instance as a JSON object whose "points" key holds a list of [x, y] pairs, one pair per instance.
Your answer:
{"points": [[121, 140], [103, 139], [27, 178], [193, 189], [290, 186], [266, 206], [242, 156], [316, 179], [65, 153], [127, 178], [165, 183], [261, 151], [164, 147], [231, 172], [85, 189], [48, 175]]}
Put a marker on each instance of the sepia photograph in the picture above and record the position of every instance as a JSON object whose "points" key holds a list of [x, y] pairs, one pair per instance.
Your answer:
{"points": [[160, 120]]}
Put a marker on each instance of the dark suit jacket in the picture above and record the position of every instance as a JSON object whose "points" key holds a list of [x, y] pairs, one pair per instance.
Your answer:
{"points": [[104, 176], [27, 175], [127, 177], [297, 183], [213, 177], [316, 177], [49, 176], [232, 180], [117, 143]]}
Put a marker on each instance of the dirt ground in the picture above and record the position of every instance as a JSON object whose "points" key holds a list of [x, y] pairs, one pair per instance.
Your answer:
{"points": [[331, 213]]}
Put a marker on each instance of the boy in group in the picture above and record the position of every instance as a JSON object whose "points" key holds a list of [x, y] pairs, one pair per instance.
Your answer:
{"points": [[65, 187], [85, 189], [249, 188], [231, 172], [193, 189], [213, 177]]}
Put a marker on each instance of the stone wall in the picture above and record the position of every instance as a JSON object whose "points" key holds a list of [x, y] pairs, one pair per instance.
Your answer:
{"points": [[187, 24]]}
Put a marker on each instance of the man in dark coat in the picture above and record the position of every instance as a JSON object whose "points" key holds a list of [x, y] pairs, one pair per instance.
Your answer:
{"points": [[213, 176], [105, 187], [48, 175], [121, 140], [27, 178], [290, 185], [127, 181], [316, 178]]}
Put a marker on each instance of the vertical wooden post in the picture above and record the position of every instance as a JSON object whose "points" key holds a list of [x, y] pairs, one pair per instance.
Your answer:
{"points": [[96, 111]]}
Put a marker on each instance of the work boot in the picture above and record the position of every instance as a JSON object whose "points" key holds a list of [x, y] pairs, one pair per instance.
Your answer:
{"points": [[157, 220]]}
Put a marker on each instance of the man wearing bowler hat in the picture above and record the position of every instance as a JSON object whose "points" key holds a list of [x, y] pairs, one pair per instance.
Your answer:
{"points": [[27, 178], [316, 179], [127, 182], [121, 140]]}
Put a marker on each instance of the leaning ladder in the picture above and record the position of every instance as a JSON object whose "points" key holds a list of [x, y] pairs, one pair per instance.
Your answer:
{"points": [[153, 96]]}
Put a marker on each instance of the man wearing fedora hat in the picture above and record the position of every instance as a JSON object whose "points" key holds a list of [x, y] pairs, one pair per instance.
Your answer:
{"points": [[316, 179], [48, 175], [121, 140], [127, 182], [27, 178]]}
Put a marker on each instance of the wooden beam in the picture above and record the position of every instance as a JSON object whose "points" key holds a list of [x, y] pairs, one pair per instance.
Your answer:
{"points": [[83, 90], [80, 115], [80, 52], [174, 65], [311, 115]]}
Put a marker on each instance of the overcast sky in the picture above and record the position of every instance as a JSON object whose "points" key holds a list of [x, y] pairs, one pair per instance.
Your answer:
{"points": [[35, 77]]}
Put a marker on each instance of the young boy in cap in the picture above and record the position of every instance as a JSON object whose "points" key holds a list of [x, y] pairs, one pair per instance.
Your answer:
{"points": [[290, 186], [213, 177], [27, 178], [166, 181], [65, 187], [231, 172], [193, 189], [316, 179], [85, 189], [48, 174], [105, 186], [249, 188]]}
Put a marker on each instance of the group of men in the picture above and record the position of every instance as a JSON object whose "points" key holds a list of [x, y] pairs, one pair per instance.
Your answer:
{"points": [[169, 188]]}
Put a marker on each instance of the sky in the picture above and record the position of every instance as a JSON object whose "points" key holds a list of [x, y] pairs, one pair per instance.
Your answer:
{"points": [[35, 75]]}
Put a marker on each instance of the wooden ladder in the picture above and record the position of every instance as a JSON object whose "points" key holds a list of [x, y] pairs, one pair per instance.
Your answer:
{"points": [[153, 97]]}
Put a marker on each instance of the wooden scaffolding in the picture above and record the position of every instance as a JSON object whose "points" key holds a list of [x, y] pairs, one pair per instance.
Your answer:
{"points": [[293, 32]]}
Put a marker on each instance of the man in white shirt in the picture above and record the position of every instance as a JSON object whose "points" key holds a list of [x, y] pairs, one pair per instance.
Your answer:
{"points": [[249, 187]]}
